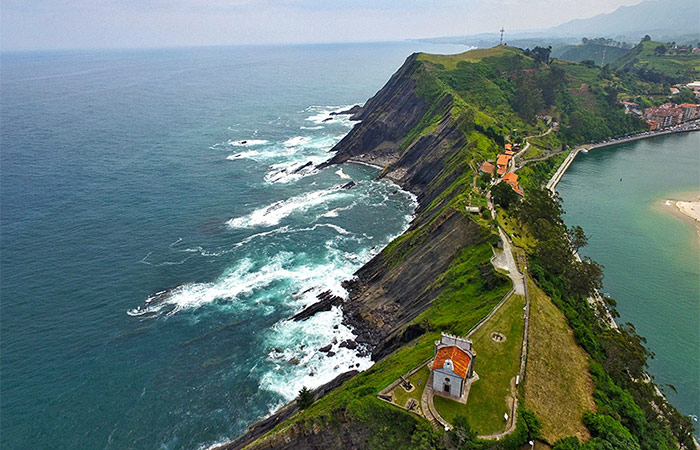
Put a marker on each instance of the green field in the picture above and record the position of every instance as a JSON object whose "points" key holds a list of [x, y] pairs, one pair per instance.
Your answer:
{"points": [[497, 364], [558, 386]]}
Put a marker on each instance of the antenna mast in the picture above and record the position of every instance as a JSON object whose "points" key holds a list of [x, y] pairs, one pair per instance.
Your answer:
{"points": [[502, 30]]}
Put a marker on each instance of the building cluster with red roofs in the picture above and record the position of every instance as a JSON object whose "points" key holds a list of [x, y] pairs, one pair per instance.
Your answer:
{"points": [[503, 165], [670, 114]]}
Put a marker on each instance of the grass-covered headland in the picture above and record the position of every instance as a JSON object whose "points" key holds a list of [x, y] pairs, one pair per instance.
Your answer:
{"points": [[430, 127]]}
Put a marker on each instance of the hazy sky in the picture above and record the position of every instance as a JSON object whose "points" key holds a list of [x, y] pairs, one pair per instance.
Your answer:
{"points": [[50, 24]]}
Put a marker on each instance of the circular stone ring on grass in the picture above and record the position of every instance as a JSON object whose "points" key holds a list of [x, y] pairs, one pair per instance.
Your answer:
{"points": [[498, 337]]}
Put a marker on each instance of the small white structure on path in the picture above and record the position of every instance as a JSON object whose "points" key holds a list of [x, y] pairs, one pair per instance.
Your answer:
{"points": [[453, 365]]}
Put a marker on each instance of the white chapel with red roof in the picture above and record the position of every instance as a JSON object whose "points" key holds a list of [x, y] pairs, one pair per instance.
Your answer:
{"points": [[453, 365]]}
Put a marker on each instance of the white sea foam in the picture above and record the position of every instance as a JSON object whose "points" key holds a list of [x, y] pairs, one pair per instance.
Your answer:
{"points": [[274, 213], [247, 142], [241, 279], [249, 154], [288, 172], [342, 174], [322, 115], [297, 141], [301, 340], [336, 212]]}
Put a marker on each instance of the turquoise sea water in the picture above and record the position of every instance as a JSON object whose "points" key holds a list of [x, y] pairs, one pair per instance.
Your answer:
{"points": [[151, 257], [651, 256]]}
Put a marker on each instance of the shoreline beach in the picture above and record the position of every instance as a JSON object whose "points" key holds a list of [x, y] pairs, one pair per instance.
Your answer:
{"points": [[688, 210]]}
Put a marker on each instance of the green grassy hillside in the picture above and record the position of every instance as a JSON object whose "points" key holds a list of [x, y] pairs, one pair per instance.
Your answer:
{"points": [[600, 54], [650, 65]]}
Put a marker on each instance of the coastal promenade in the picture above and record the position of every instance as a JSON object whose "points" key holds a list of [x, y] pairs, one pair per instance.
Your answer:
{"points": [[693, 125]]}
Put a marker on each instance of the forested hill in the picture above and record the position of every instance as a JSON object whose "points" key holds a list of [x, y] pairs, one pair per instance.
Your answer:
{"points": [[429, 128]]}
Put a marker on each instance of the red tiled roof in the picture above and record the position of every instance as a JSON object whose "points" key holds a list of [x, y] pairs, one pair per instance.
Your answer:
{"points": [[508, 146], [510, 178], [460, 359], [503, 159], [486, 167], [501, 170]]}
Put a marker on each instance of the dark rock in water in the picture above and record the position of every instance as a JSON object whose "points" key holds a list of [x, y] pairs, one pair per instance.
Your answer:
{"points": [[352, 111], [329, 354], [352, 345], [335, 327], [395, 192], [334, 341], [325, 348], [327, 301], [294, 361], [349, 185], [278, 350], [299, 169], [244, 142], [328, 119], [311, 374]]}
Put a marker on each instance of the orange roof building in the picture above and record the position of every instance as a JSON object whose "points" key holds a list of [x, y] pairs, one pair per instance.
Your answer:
{"points": [[487, 167], [502, 162], [509, 146], [453, 365], [512, 179]]}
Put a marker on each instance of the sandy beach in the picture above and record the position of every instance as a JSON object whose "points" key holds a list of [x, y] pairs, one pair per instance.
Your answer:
{"points": [[688, 209]]}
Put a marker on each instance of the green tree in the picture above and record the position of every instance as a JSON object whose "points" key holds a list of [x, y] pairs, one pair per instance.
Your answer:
{"points": [[583, 277], [685, 96], [503, 195], [462, 436], [608, 429], [660, 49], [305, 398], [577, 237], [534, 426], [541, 54], [569, 443]]}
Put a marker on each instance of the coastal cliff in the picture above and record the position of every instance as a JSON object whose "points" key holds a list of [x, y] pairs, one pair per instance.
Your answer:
{"points": [[428, 128]]}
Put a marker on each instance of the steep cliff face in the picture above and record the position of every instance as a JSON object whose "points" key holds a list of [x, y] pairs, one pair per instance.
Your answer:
{"points": [[386, 120], [416, 140], [408, 128]]}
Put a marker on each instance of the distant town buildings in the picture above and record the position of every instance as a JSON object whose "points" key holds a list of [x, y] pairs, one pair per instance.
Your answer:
{"points": [[631, 108], [695, 86], [670, 114]]}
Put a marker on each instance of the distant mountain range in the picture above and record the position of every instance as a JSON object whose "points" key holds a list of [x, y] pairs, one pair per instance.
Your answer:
{"points": [[663, 20], [649, 17]]}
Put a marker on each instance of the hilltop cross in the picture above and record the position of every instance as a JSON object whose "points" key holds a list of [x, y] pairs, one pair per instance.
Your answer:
{"points": [[502, 30]]}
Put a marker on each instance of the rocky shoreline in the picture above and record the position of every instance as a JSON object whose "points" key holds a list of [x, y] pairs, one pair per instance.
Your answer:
{"points": [[387, 293]]}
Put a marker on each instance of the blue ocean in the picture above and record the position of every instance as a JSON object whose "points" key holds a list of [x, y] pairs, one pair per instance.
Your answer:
{"points": [[161, 223]]}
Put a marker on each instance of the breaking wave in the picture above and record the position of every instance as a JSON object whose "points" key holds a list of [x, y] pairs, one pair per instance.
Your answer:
{"points": [[274, 213]]}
